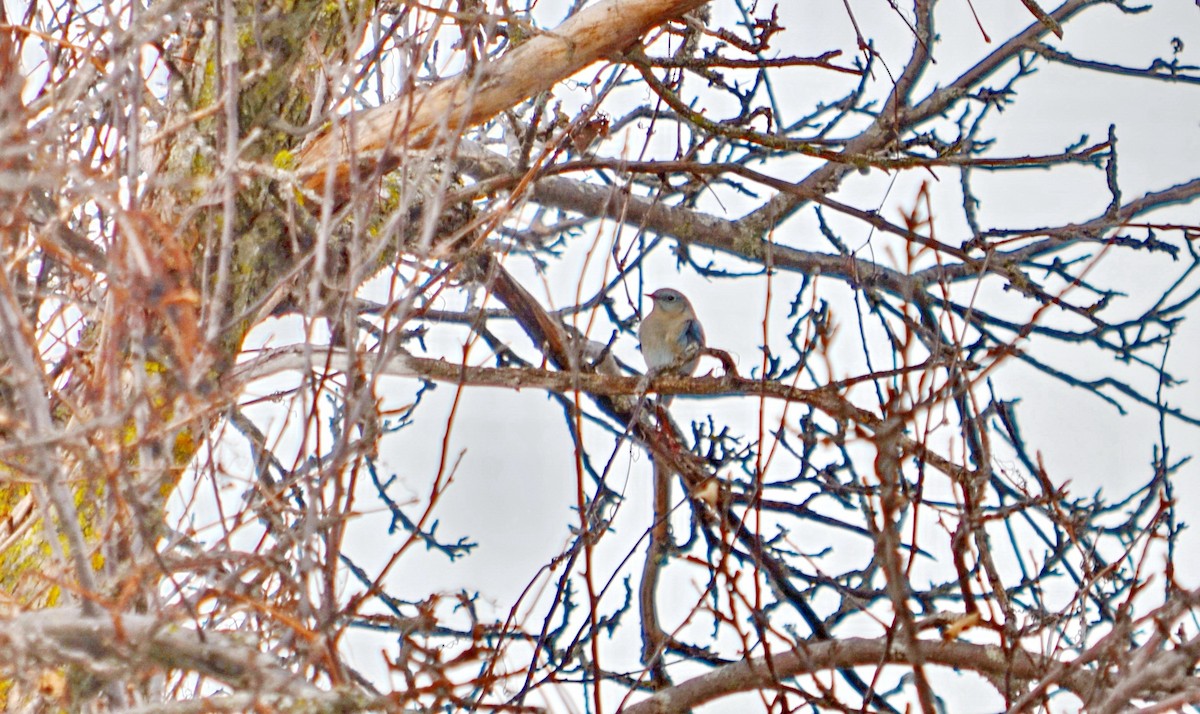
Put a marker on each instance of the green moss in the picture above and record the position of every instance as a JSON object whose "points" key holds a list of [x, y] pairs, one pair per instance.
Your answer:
{"points": [[10, 496], [207, 91], [285, 160], [748, 244]]}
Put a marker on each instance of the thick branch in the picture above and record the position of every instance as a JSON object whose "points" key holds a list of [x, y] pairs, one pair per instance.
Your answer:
{"points": [[60, 635], [752, 674], [415, 120]]}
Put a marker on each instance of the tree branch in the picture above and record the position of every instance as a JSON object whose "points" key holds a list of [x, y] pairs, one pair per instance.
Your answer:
{"points": [[813, 657], [124, 641], [415, 120]]}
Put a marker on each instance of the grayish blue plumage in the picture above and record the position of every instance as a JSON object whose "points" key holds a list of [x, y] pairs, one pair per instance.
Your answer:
{"points": [[670, 336]]}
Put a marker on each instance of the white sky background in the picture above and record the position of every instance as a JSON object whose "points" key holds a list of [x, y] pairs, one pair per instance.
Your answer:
{"points": [[514, 488]]}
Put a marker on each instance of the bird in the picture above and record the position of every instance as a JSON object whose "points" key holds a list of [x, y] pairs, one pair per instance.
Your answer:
{"points": [[671, 337]]}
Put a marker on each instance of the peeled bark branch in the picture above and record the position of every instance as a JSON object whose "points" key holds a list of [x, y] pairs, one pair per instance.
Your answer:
{"points": [[415, 120]]}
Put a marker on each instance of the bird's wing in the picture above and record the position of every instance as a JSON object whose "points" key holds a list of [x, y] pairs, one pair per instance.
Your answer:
{"points": [[692, 334]]}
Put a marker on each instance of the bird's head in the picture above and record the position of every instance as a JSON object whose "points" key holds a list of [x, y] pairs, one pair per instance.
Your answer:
{"points": [[668, 299]]}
